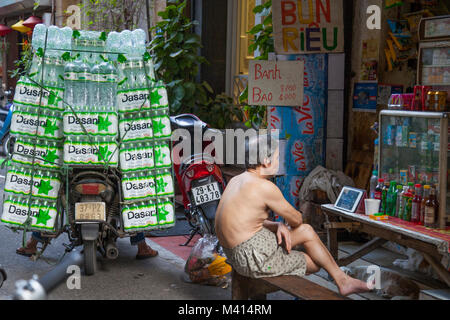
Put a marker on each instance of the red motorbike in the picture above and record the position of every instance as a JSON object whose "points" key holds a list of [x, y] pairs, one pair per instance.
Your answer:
{"points": [[199, 178]]}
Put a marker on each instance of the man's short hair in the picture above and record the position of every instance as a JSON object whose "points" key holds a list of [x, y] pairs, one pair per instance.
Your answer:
{"points": [[258, 148]]}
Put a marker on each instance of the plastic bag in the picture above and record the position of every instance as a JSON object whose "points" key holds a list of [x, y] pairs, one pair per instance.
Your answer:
{"points": [[205, 264]]}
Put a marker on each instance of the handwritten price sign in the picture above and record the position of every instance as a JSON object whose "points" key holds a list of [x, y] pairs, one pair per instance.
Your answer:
{"points": [[276, 83]]}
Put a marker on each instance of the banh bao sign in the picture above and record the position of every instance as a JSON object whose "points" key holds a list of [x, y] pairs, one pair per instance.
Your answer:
{"points": [[275, 83], [308, 26]]}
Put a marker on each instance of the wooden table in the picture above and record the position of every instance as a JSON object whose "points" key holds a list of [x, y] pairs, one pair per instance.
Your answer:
{"points": [[433, 249]]}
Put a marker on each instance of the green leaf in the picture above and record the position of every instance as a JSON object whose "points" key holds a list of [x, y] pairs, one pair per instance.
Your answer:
{"points": [[40, 52], [121, 58], [76, 34], [66, 56], [258, 9], [256, 29], [208, 87], [146, 56], [176, 54], [103, 36], [179, 93]]}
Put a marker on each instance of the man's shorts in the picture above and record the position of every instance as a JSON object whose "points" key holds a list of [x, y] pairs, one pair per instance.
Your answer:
{"points": [[261, 256]]}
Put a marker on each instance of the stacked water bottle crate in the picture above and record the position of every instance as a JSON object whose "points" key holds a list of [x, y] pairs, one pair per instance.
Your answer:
{"points": [[91, 121], [144, 127], [33, 180]]}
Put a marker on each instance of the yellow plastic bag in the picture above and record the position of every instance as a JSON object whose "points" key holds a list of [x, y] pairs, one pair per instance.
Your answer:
{"points": [[219, 267]]}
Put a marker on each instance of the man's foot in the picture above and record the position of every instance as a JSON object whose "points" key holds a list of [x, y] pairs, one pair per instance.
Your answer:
{"points": [[29, 250], [145, 251], [351, 285]]}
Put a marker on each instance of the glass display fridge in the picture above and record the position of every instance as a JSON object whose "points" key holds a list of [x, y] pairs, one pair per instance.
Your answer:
{"points": [[414, 148]]}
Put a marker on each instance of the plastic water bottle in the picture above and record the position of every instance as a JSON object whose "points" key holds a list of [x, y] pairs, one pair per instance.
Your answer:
{"points": [[110, 91], [66, 38], [95, 94], [70, 80], [141, 80], [38, 40], [113, 44], [53, 41], [373, 184], [50, 78], [138, 37], [126, 39]]}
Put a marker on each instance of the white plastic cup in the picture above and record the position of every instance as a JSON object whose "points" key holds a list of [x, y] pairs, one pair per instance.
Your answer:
{"points": [[372, 206]]}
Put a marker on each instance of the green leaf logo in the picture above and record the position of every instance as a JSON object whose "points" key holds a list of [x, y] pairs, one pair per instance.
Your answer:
{"points": [[158, 126], [50, 157], [45, 187], [162, 213], [160, 185], [155, 96], [159, 156], [103, 123], [50, 127], [103, 154], [43, 217]]}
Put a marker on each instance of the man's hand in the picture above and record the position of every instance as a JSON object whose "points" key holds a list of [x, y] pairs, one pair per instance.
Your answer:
{"points": [[283, 233]]}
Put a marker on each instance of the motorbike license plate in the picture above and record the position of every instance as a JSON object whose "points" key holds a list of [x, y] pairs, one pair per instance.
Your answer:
{"points": [[90, 211], [206, 193]]}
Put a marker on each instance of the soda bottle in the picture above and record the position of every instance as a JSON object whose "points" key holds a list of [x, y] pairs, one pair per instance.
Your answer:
{"points": [[431, 209], [384, 192], [398, 201], [408, 196], [391, 199], [415, 209], [378, 189], [425, 197], [401, 209]]}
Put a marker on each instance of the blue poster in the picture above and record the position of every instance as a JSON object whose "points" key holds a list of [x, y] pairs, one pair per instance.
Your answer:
{"points": [[303, 126], [365, 96]]}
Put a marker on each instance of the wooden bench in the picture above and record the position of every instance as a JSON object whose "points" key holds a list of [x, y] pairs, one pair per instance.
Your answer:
{"points": [[244, 288]]}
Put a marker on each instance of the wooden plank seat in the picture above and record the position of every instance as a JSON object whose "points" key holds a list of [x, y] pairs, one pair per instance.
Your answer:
{"points": [[244, 288]]}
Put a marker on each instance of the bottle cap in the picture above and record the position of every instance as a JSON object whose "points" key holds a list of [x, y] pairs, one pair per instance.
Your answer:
{"points": [[393, 182], [380, 180], [399, 187], [410, 184], [375, 172], [426, 186], [418, 185]]}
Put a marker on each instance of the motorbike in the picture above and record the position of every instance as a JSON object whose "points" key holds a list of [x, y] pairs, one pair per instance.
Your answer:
{"points": [[199, 178], [94, 213]]}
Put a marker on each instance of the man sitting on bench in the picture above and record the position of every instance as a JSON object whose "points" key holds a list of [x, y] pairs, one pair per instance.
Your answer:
{"points": [[257, 247]]}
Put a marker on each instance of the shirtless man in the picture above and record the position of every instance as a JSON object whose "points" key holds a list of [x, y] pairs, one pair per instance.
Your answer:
{"points": [[257, 247]]}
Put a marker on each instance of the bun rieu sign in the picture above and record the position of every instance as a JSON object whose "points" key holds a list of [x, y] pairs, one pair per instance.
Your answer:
{"points": [[308, 26]]}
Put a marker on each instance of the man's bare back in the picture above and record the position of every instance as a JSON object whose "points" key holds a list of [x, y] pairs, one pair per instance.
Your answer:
{"points": [[244, 208]]}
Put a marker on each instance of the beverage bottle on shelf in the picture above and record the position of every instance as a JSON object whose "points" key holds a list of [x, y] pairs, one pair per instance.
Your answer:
{"points": [[431, 210], [373, 184], [401, 209], [391, 199], [408, 202], [425, 197], [379, 189], [398, 200], [384, 193], [415, 209]]}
